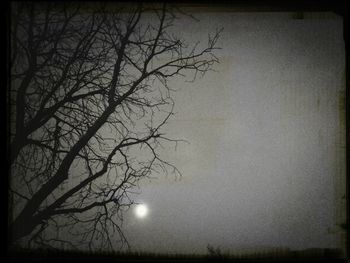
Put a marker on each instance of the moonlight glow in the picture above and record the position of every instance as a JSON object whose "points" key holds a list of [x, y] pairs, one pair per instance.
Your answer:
{"points": [[141, 211]]}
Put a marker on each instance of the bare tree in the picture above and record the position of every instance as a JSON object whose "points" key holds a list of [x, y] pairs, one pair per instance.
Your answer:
{"points": [[88, 97]]}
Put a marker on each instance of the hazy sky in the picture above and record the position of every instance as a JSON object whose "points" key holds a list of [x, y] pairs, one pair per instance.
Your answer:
{"points": [[262, 165]]}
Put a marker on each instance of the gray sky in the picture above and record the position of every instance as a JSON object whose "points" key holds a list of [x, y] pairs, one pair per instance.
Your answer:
{"points": [[262, 165]]}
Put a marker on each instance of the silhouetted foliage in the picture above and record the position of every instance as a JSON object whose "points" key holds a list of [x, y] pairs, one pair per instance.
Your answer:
{"points": [[88, 98], [214, 252]]}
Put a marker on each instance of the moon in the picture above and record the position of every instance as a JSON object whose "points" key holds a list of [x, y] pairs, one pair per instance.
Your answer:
{"points": [[141, 210]]}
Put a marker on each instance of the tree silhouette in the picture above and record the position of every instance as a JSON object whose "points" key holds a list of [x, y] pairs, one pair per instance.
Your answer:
{"points": [[88, 97]]}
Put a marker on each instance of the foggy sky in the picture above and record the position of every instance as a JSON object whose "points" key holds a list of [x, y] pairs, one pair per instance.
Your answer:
{"points": [[261, 168]]}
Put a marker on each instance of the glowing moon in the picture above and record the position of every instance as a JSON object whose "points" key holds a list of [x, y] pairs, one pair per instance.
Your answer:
{"points": [[141, 210]]}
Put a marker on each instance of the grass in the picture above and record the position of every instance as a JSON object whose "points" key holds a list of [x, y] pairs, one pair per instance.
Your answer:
{"points": [[214, 255]]}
